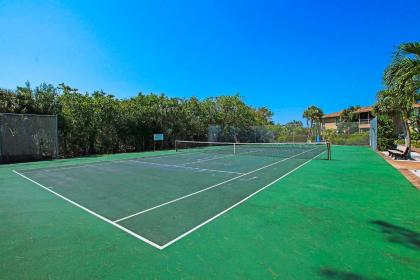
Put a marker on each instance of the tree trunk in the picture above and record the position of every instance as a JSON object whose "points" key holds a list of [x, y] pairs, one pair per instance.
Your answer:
{"points": [[307, 127], [407, 136], [310, 130]]}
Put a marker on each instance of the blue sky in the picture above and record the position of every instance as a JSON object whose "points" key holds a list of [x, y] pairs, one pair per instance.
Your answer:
{"points": [[285, 55]]}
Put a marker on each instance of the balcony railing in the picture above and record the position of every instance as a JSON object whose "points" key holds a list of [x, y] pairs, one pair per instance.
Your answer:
{"points": [[364, 121]]}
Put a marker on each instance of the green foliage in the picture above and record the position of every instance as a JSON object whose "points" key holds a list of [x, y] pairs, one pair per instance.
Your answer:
{"points": [[291, 132], [338, 138], [101, 123], [329, 134], [313, 116], [349, 114], [347, 128], [386, 133], [402, 81], [46, 99], [8, 102]]}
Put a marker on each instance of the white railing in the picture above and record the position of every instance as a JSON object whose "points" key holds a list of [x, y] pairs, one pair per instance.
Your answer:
{"points": [[364, 121]]}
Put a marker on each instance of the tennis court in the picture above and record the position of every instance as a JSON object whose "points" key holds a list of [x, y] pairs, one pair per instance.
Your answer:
{"points": [[317, 221], [161, 199]]}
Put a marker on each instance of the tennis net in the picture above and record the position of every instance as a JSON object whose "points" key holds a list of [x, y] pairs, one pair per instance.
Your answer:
{"points": [[297, 150]]}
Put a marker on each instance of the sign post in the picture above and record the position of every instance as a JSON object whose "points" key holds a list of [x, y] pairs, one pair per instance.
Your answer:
{"points": [[157, 137]]}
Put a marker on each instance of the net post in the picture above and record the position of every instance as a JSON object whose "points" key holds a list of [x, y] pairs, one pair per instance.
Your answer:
{"points": [[176, 145], [234, 148], [329, 150]]}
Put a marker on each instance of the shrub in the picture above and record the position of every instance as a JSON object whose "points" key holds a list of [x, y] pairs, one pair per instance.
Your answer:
{"points": [[386, 133]]}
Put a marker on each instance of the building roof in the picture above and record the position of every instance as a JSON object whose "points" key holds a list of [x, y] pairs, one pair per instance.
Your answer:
{"points": [[360, 110], [364, 109], [337, 114], [332, 115]]}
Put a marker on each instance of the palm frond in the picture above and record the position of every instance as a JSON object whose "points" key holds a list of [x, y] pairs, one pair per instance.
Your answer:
{"points": [[403, 74], [409, 48]]}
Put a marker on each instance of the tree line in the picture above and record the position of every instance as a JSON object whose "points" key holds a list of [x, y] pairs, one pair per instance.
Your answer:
{"points": [[98, 122]]}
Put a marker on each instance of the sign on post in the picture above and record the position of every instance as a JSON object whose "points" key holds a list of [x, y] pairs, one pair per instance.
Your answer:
{"points": [[157, 137]]}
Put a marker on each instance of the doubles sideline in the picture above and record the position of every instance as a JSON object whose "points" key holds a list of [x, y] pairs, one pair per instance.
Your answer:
{"points": [[161, 247]]}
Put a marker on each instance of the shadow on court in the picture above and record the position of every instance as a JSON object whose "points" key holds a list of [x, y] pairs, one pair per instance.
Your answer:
{"points": [[330, 273], [398, 234]]}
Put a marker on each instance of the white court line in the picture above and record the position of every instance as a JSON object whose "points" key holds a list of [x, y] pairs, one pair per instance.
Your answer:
{"points": [[234, 205], [161, 247], [205, 189], [187, 167], [214, 158], [208, 159], [104, 162], [93, 213]]}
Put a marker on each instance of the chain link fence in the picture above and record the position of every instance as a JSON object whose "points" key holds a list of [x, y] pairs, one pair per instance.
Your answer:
{"points": [[344, 133], [347, 133], [27, 137]]}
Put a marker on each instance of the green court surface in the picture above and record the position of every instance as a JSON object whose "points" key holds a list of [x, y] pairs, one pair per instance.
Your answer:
{"points": [[200, 215]]}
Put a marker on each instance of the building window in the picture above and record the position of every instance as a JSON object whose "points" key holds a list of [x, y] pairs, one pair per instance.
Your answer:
{"points": [[364, 118]]}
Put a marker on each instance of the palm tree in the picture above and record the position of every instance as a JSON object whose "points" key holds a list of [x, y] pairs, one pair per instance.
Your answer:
{"points": [[313, 116], [307, 115], [402, 79], [349, 114]]}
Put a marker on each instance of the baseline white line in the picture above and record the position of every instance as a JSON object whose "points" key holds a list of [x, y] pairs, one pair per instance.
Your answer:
{"points": [[236, 204], [93, 213], [187, 167], [205, 189]]}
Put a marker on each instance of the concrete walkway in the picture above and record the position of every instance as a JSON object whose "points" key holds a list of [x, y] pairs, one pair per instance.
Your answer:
{"points": [[406, 167]]}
